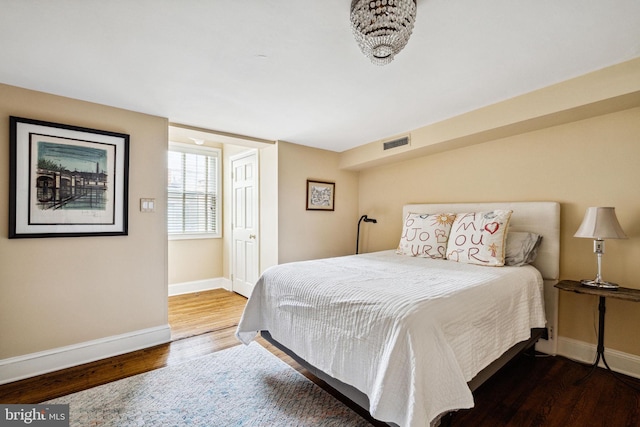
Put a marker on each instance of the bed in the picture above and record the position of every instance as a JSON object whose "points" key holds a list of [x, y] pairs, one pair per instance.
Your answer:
{"points": [[410, 337]]}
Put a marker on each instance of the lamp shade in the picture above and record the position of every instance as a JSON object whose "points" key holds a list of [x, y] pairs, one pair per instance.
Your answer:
{"points": [[600, 223]]}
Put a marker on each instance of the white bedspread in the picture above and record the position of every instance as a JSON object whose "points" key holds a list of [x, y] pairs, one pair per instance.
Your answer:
{"points": [[408, 332]]}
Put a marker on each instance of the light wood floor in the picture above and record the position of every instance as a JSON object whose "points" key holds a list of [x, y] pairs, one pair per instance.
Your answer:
{"points": [[528, 392], [202, 312]]}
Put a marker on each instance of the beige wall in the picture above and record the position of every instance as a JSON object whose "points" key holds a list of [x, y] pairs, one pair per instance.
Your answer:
{"points": [[268, 207], [61, 291], [192, 260], [592, 162], [307, 234]]}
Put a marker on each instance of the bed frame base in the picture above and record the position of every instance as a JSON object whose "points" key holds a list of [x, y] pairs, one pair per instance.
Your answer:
{"points": [[344, 389], [361, 399]]}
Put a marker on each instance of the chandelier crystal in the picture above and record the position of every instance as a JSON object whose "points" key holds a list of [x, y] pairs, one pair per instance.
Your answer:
{"points": [[382, 27]]}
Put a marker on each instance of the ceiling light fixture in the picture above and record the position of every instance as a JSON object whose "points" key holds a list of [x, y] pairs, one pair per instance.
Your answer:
{"points": [[382, 27]]}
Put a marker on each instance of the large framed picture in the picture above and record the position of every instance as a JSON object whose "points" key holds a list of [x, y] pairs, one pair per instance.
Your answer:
{"points": [[67, 181], [320, 195]]}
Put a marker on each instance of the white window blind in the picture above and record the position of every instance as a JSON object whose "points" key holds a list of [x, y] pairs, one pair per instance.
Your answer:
{"points": [[193, 191]]}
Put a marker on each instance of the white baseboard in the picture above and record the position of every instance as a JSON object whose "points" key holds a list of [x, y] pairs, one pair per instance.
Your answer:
{"points": [[199, 286], [29, 365], [624, 363], [547, 346]]}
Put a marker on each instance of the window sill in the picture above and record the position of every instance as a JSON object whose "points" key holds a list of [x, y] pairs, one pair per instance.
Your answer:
{"points": [[194, 236]]}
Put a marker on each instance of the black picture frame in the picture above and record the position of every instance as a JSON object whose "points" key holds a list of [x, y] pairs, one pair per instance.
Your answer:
{"points": [[321, 195], [67, 181]]}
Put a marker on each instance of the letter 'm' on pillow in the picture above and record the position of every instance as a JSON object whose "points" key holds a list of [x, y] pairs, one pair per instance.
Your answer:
{"points": [[425, 235], [479, 237]]}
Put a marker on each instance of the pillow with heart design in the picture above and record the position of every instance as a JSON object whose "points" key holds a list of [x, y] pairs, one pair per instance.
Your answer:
{"points": [[479, 237]]}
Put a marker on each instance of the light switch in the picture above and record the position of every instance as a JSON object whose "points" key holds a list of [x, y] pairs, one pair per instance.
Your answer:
{"points": [[147, 205]]}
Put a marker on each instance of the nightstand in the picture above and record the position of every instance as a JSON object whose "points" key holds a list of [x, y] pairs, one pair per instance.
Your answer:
{"points": [[603, 294]]}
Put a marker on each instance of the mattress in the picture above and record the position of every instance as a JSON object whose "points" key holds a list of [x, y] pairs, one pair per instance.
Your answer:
{"points": [[407, 332]]}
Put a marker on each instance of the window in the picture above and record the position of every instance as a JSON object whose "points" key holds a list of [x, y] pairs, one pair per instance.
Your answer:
{"points": [[193, 192]]}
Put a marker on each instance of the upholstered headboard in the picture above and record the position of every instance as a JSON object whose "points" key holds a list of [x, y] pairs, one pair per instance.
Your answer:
{"points": [[537, 217]]}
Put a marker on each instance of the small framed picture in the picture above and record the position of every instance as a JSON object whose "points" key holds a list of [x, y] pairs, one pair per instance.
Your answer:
{"points": [[66, 181], [320, 195]]}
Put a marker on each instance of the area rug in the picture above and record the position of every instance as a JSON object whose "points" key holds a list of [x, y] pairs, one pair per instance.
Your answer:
{"points": [[240, 386]]}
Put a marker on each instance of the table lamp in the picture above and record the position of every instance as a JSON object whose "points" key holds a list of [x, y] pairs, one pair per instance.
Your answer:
{"points": [[600, 223]]}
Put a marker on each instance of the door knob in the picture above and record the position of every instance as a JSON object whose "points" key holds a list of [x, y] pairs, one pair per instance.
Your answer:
{"points": [[252, 236]]}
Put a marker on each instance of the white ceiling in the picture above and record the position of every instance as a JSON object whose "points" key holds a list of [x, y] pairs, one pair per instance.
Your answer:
{"points": [[291, 70]]}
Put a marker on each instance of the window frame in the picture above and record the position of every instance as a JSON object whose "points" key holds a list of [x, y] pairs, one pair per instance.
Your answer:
{"points": [[205, 151]]}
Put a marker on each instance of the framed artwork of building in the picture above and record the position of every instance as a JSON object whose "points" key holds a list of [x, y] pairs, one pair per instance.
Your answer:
{"points": [[67, 181]]}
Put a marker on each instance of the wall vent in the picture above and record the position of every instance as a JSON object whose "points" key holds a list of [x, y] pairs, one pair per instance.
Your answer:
{"points": [[396, 143]]}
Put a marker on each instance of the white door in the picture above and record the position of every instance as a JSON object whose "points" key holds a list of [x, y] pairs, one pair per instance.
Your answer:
{"points": [[244, 228]]}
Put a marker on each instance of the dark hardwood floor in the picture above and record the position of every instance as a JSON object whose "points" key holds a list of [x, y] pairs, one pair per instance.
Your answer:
{"points": [[542, 391], [528, 392]]}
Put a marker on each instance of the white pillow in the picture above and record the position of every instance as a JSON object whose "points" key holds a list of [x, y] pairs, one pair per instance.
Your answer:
{"points": [[522, 248], [479, 237], [425, 235]]}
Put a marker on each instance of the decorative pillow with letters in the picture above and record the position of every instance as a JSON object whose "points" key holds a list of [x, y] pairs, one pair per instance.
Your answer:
{"points": [[425, 235], [479, 237]]}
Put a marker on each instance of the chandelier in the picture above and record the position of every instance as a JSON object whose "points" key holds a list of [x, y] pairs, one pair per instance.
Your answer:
{"points": [[382, 27]]}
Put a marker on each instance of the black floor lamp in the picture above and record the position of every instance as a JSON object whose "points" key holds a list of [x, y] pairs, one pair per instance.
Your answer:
{"points": [[365, 219]]}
